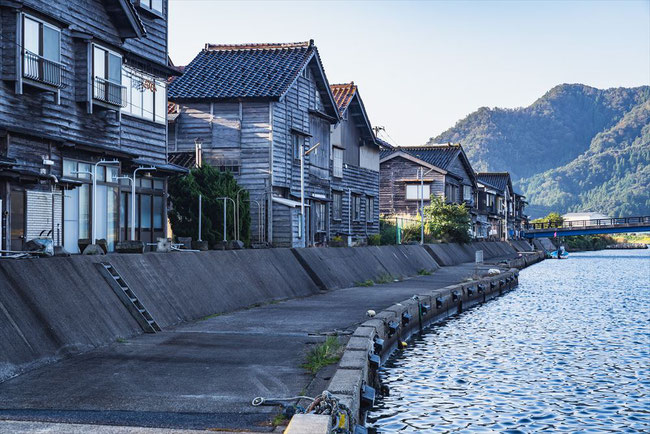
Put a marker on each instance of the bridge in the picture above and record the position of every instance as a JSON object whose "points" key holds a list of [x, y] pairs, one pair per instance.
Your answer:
{"points": [[587, 227]]}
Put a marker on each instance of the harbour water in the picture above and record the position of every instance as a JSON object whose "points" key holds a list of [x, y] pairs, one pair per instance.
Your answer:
{"points": [[568, 350]]}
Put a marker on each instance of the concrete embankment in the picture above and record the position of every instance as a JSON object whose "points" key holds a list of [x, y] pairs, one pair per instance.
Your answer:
{"points": [[51, 308], [347, 266], [374, 340], [54, 307]]}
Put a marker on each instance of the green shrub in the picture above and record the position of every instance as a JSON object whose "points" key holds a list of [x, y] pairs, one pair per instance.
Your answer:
{"points": [[374, 240], [211, 184], [387, 232]]}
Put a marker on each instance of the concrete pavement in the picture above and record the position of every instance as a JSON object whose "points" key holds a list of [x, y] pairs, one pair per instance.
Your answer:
{"points": [[203, 375]]}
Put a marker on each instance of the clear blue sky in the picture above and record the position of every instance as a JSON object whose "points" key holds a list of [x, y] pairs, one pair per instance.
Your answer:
{"points": [[422, 66]]}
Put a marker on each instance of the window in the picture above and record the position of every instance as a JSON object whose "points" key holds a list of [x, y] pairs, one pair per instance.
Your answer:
{"points": [[297, 143], [413, 192], [232, 166], [41, 52], [337, 205], [338, 162], [146, 96], [370, 209], [155, 5], [107, 76], [320, 216], [467, 193], [356, 211]]}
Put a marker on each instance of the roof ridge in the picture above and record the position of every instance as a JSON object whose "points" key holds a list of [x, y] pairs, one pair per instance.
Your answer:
{"points": [[493, 173], [259, 46]]}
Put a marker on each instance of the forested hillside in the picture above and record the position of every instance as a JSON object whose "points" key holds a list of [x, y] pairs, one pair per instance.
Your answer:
{"points": [[577, 148]]}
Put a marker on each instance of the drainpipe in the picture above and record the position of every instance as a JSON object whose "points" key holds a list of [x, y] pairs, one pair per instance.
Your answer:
{"points": [[349, 213]]}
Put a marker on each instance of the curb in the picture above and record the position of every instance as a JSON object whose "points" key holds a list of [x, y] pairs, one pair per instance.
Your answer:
{"points": [[356, 379]]}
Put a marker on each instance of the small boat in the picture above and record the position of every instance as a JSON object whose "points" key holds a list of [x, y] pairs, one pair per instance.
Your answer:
{"points": [[563, 254]]}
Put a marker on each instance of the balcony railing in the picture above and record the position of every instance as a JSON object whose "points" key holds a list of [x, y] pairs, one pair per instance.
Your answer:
{"points": [[109, 92], [42, 70]]}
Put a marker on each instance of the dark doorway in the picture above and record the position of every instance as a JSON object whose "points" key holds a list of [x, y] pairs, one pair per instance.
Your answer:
{"points": [[17, 219]]}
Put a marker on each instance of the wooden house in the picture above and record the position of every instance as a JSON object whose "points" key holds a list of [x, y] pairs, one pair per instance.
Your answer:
{"points": [[498, 204], [355, 168], [82, 81], [446, 171], [256, 110]]}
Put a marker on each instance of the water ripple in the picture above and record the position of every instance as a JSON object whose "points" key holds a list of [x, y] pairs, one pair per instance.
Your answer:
{"points": [[567, 351]]}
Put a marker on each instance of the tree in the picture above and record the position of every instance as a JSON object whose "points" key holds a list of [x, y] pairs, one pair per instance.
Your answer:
{"points": [[449, 222], [552, 218], [211, 184]]}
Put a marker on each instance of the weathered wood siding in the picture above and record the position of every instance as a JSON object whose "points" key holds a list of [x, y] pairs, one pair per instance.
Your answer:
{"points": [[236, 132], [356, 181], [392, 186], [360, 178], [69, 121]]}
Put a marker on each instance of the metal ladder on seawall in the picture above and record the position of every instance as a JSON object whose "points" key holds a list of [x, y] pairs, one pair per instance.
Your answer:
{"points": [[128, 298]]}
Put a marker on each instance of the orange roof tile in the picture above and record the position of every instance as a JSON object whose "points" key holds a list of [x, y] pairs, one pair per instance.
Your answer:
{"points": [[343, 94]]}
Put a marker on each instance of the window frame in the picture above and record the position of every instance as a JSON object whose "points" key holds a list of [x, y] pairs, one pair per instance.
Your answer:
{"points": [[370, 209], [337, 165], [128, 73], [41, 47], [356, 208], [148, 6], [297, 144], [337, 206], [93, 76], [426, 187]]}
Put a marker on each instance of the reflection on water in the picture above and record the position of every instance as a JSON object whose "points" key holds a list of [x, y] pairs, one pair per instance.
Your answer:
{"points": [[568, 350]]}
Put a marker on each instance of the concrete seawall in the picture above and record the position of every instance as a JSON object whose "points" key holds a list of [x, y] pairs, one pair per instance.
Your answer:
{"points": [[52, 308], [344, 267], [357, 369]]}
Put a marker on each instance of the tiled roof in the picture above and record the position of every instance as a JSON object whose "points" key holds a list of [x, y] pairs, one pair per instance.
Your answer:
{"points": [[437, 155], [498, 180], [343, 94], [242, 71], [386, 148]]}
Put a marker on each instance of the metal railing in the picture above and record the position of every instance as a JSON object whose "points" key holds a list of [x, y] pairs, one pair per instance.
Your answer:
{"points": [[580, 224], [44, 71], [109, 92]]}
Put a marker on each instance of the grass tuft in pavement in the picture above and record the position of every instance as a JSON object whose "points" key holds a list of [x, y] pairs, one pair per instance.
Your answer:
{"points": [[324, 354]]}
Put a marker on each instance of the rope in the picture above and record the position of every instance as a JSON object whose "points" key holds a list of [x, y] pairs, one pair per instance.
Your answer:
{"points": [[325, 403]]}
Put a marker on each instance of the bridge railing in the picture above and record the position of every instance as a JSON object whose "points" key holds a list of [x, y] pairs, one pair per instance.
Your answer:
{"points": [[581, 224]]}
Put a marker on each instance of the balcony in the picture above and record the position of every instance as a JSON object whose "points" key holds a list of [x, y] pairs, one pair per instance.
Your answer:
{"points": [[109, 93], [42, 70]]}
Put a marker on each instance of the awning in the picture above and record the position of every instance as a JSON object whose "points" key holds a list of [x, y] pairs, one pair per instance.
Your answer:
{"points": [[287, 202], [162, 167]]}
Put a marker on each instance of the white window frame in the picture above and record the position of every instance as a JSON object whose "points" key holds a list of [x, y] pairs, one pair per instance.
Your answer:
{"points": [[161, 86], [21, 37], [414, 188], [337, 168], [467, 192], [148, 4]]}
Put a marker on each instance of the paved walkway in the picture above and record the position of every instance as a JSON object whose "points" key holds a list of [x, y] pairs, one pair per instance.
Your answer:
{"points": [[203, 375]]}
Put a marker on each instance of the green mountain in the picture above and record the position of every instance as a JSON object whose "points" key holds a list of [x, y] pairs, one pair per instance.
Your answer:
{"points": [[576, 148]]}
